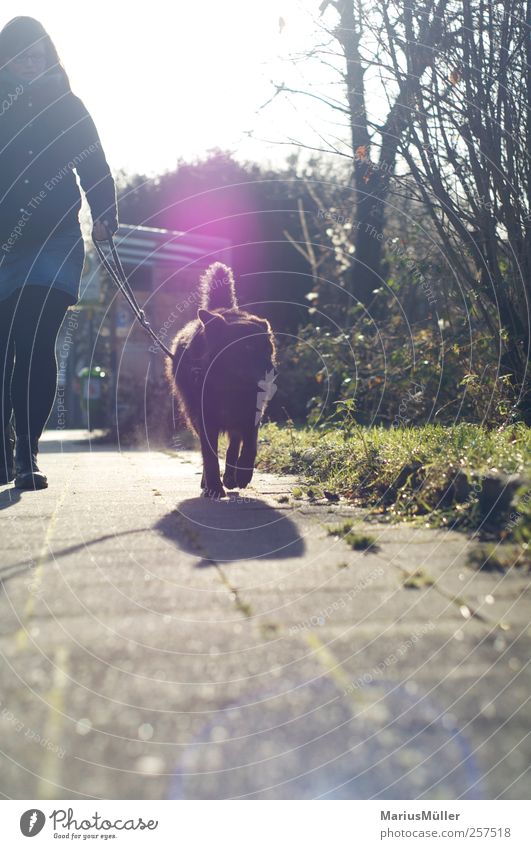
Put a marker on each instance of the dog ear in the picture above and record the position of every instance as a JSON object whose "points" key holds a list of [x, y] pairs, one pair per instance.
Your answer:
{"points": [[214, 320]]}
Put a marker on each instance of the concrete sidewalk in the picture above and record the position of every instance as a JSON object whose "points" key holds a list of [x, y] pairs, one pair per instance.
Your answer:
{"points": [[158, 645]]}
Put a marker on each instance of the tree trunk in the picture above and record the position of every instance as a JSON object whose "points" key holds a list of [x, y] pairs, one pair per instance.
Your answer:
{"points": [[370, 179], [364, 275], [369, 269]]}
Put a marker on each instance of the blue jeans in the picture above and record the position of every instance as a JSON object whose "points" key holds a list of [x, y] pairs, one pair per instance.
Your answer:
{"points": [[29, 323]]}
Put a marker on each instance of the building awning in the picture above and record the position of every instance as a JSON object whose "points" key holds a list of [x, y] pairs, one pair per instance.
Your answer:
{"points": [[153, 246], [143, 249]]}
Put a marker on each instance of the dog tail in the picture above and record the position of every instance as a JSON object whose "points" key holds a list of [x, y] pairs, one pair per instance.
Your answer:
{"points": [[217, 288]]}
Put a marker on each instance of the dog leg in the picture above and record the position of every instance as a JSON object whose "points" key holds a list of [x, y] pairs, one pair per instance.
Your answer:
{"points": [[246, 460], [229, 478], [212, 487]]}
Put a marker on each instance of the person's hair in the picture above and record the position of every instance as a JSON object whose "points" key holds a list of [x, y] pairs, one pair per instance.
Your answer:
{"points": [[22, 32]]}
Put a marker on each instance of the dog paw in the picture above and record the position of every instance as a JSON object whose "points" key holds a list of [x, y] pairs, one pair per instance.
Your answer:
{"points": [[229, 479], [243, 477], [213, 492]]}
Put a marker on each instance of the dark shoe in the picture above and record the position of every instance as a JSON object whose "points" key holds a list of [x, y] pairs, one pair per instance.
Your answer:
{"points": [[28, 474], [7, 461]]}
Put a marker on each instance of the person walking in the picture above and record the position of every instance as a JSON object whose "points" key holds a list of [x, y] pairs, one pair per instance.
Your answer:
{"points": [[46, 137]]}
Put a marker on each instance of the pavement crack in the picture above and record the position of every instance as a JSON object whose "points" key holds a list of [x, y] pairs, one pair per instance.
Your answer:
{"points": [[243, 606], [411, 580], [194, 541]]}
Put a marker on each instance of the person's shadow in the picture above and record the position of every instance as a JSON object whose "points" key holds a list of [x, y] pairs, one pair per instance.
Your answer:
{"points": [[239, 528], [9, 496]]}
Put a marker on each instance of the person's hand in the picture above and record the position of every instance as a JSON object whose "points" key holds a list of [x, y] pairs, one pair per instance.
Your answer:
{"points": [[101, 231]]}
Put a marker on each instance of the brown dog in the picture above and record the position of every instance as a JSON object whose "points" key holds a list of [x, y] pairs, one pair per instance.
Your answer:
{"points": [[222, 373]]}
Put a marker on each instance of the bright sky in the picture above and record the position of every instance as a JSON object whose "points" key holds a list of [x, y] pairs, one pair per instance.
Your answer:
{"points": [[165, 80]]}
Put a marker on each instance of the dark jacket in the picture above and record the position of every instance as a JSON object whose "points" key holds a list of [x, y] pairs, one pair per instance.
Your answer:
{"points": [[46, 133]]}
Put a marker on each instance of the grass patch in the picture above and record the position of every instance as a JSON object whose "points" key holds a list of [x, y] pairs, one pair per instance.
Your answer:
{"points": [[431, 473], [360, 542], [418, 580], [357, 540], [340, 530], [500, 558]]}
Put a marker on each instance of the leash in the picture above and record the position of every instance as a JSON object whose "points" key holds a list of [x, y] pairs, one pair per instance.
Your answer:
{"points": [[117, 273]]}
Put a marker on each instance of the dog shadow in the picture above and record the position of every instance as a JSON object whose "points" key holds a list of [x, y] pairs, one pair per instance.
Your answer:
{"points": [[237, 528]]}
